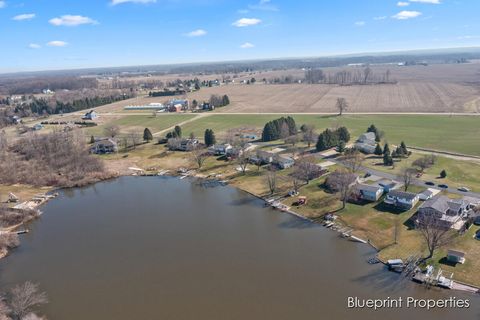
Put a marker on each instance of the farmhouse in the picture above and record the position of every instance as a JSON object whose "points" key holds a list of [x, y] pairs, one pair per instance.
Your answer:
{"points": [[283, 162], [91, 115], [177, 105], [449, 213], [369, 192], [187, 144], [402, 200], [104, 146], [366, 143], [263, 157], [220, 149]]}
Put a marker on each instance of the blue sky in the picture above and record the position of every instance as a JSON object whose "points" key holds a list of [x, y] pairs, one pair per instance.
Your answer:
{"points": [[51, 34]]}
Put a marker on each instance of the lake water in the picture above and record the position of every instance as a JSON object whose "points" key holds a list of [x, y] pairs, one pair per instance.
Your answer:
{"points": [[163, 248]]}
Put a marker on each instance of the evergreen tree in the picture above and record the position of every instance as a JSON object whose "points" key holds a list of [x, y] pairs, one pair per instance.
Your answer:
{"points": [[343, 134], [209, 138], [92, 139], [178, 132], [403, 148], [378, 150], [443, 174], [387, 159], [147, 135], [341, 146], [386, 149], [322, 143], [225, 100]]}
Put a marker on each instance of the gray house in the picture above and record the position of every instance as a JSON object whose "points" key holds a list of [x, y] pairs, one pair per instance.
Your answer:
{"points": [[366, 143], [104, 146], [449, 213], [370, 193]]}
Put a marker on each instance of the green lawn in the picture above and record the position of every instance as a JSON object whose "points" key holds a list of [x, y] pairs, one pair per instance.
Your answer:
{"points": [[459, 173], [139, 122], [451, 133]]}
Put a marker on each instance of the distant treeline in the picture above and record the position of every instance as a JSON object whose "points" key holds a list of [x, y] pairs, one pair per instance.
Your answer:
{"points": [[344, 77], [42, 106], [20, 86], [166, 93]]}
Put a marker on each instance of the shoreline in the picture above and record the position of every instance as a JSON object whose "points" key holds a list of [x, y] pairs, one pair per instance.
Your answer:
{"points": [[462, 286]]}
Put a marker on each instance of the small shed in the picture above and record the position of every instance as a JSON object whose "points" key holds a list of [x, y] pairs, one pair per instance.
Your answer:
{"points": [[456, 256]]}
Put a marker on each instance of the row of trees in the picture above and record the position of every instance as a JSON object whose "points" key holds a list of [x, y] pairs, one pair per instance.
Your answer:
{"points": [[332, 138], [347, 77], [279, 129]]}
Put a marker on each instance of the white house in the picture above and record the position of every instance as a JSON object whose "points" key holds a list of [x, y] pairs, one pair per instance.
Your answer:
{"points": [[402, 200]]}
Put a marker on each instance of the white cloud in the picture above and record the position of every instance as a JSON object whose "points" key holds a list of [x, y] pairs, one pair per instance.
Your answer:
{"points": [[245, 22], [196, 33], [403, 4], [3, 4], [57, 43], [71, 21], [25, 16], [34, 46], [427, 1], [360, 23], [405, 15], [115, 2], [247, 45], [380, 18]]}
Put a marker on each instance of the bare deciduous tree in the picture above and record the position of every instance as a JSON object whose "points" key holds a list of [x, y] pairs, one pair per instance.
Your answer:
{"points": [[112, 131], [23, 298], [243, 160], [435, 235], [199, 155], [424, 162], [135, 138], [406, 176], [353, 160], [309, 135], [341, 105], [306, 169], [271, 180], [341, 182]]}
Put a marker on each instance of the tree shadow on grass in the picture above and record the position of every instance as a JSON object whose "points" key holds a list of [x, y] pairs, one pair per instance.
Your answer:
{"points": [[446, 262], [386, 208]]}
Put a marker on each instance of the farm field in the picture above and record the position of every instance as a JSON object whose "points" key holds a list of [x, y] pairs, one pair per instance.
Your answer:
{"points": [[401, 97]]}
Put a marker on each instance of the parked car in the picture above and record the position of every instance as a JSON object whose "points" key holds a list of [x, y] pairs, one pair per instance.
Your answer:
{"points": [[368, 174], [429, 183], [477, 221], [464, 189], [443, 186], [477, 235]]}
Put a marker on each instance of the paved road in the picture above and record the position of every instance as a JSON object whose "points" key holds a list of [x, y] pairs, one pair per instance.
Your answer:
{"points": [[416, 182]]}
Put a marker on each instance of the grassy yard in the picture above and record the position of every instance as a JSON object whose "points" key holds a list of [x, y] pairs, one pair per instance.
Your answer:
{"points": [[140, 122], [459, 173]]}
